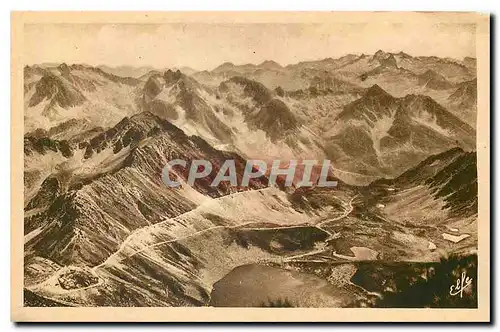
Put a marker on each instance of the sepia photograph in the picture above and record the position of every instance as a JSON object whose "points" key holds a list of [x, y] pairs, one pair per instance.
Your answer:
{"points": [[319, 162]]}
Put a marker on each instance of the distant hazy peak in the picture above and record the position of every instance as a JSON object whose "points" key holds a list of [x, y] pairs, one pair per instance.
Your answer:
{"points": [[404, 55], [225, 66], [270, 64], [380, 53]]}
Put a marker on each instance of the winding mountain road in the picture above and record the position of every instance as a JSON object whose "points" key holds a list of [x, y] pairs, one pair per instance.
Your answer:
{"points": [[331, 236]]}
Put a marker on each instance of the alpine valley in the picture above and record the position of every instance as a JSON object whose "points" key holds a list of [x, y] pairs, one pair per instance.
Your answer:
{"points": [[102, 229]]}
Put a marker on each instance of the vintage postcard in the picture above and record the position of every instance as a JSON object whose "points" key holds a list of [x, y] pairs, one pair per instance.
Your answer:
{"points": [[250, 166]]}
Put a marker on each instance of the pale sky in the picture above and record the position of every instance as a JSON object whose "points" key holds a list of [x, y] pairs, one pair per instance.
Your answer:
{"points": [[205, 46]]}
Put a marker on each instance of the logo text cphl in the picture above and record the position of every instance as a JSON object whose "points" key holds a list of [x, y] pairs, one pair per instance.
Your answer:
{"points": [[307, 173]]}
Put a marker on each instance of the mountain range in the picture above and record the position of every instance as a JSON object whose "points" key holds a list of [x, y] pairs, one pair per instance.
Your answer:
{"points": [[101, 228]]}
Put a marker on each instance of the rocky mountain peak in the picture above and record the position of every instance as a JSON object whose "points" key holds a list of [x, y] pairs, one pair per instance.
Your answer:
{"points": [[276, 119], [465, 96], [376, 91], [172, 76], [152, 87], [51, 86], [434, 80], [430, 73], [380, 54], [389, 61], [64, 69]]}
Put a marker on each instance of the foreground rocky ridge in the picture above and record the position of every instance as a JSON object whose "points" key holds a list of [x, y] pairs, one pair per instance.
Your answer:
{"points": [[177, 261]]}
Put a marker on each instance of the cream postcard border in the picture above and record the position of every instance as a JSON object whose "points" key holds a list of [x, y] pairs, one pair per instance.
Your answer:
{"points": [[208, 314]]}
